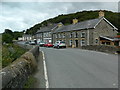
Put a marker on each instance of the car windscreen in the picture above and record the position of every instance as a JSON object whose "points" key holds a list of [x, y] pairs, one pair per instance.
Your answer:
{"points": [[62, 42]]}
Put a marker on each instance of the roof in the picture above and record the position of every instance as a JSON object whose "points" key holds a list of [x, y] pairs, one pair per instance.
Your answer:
{"points": [[110, 38], [88, 24], [46, 29], [27, 35]]}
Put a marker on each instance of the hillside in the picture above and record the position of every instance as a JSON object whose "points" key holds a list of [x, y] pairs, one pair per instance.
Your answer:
{"points": [[66, 19]]}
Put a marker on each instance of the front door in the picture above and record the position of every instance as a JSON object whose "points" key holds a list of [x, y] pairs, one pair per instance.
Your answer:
{"points": [[76, 43]]}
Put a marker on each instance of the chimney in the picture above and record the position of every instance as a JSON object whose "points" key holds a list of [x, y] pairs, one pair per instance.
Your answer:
{"points": [[101, 14], [60, 24], [75, 21]]}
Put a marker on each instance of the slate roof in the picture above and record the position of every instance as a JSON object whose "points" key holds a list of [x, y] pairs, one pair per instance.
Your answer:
{"points": [[79, 26], [83, 25], [88, 24], [27, 35], [46, 29]]}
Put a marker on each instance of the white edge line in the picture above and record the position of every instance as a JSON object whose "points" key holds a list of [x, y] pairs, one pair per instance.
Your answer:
{"points": [[45, 70]]}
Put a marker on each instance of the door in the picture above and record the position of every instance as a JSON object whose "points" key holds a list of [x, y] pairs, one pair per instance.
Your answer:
{"points": [[76, 43]]}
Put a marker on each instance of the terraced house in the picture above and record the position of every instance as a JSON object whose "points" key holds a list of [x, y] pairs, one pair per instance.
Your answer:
{"points": [[89, 32], [44, 34]]}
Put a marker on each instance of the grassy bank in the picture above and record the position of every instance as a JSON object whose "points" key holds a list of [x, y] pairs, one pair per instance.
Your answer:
{"points": [[10, 53]]}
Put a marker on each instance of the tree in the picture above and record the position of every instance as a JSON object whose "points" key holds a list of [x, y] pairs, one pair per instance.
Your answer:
{"points": [[17, 34], [8, 31], [7, 38]]}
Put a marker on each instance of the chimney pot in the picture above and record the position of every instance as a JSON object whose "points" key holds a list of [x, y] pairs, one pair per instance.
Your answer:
{"points": [[101, 14], [75, 21]]}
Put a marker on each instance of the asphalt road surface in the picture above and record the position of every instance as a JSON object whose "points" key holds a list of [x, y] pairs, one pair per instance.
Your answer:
{"points": [[77, 68]]}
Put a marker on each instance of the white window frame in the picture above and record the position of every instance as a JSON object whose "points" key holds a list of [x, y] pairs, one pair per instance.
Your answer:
{"points": [[82, 41], [76, 34], [56, 36], [71, 34], [96, 40], [63, 35], [83, 36], [70, 42]]}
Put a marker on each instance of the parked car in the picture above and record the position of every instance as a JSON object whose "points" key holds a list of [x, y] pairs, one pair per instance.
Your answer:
{"points": [[59, 44], [45, 45], [27, 42], [48, 45], [32, 43], [41, 43]]}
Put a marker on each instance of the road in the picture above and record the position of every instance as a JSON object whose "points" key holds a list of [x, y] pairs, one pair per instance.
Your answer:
{"points": [[77, 68]]}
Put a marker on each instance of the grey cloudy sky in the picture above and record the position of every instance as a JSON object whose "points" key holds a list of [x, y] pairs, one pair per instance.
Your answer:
{"points": [[19, 16]]}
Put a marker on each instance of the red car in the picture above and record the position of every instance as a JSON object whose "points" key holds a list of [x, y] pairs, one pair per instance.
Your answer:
{"points": [[48, 45], [45, 45]]}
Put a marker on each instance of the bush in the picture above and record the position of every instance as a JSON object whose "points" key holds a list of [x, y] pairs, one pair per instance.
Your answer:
{"points": [[10, 53]]}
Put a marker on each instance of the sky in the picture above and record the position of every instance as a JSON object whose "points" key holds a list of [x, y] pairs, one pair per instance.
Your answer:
{"points": [[19, 16]]}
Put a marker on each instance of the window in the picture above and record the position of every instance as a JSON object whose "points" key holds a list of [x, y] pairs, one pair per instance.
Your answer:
{"points": [[55, 35], [82, 42], [76, 35], [44, 34], [83, 34], [63, 35], [103, 43], [59, 35], [107, 43], [71, 35], [70, 42], [47, 34], [96, 41]]}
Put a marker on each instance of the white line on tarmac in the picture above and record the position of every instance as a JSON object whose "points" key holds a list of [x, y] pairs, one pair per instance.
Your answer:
{"points": [[45, 70]]}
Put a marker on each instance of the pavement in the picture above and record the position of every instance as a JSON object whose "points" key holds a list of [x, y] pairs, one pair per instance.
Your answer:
{"points": [[77, 68]]}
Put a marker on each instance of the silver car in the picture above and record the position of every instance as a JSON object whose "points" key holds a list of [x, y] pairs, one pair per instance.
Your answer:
{"points": [[41, 43], [59, 44]]}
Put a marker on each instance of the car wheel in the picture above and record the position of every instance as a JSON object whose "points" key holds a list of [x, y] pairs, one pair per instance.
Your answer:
{"points": [[58, 47]]}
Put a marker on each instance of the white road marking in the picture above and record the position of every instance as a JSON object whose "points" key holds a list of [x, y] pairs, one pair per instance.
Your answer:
{"points": [[45, 70]]}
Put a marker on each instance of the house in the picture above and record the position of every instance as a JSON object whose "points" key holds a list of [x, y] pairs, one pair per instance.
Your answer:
{"points": [[26, 37], [45, 33], [83, 33], [20, 38]]}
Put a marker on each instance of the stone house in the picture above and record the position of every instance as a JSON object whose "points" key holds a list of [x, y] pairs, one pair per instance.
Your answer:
{"points": [[45, 33], [85, 33]]}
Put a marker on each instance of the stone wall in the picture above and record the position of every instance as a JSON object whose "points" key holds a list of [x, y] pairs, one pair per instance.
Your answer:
{"points": [[101, 48], [16, 74]]}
